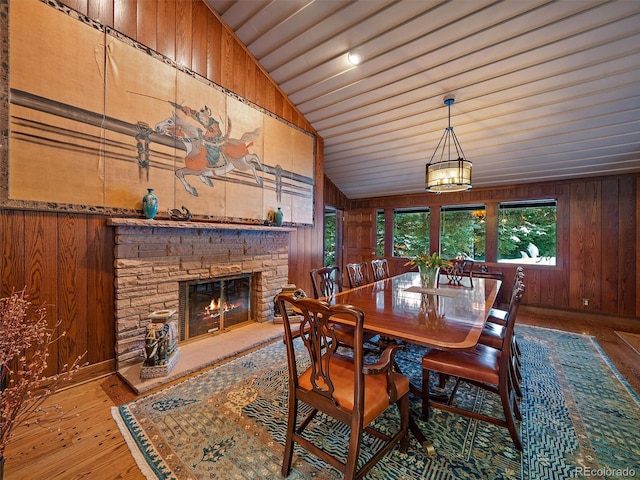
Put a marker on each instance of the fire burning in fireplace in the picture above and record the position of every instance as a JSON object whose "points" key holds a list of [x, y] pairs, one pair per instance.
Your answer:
{"points": [[213, 306], [212, 312]]}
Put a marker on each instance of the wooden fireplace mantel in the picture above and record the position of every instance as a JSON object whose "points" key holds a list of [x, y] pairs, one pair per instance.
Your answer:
{"points": [[141, 222]]}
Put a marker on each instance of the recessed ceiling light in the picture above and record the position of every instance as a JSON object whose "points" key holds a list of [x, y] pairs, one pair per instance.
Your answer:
{"points": [[354, 58]]}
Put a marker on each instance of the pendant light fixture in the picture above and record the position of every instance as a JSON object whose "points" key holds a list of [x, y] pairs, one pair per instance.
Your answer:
{"points": [[448, 175]]}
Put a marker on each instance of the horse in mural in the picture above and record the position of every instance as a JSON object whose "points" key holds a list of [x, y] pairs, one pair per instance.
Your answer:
{"points": [[209, 153]]}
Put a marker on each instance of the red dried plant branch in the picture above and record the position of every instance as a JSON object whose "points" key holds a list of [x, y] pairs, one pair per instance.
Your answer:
{"points": [[24, 349]]}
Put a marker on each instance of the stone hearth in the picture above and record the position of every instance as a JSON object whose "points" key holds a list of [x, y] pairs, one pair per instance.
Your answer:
{"points": [[153, 256]]}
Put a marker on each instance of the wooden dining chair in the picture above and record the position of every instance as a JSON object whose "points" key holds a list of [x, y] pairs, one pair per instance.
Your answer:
{"points": [[497, 315], [486, 367], [326, 281], [341, 387], [380, 269], [358, 274], [454, 273], [495, 328]]}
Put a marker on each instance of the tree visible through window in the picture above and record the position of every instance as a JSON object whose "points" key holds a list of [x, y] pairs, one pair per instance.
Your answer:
{"points": [[380, 233], [527, 232], [462, 231], [411, 232], [329, 238]]}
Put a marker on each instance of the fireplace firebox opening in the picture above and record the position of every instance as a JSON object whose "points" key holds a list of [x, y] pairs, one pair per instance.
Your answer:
{"points": [[214, 305]]}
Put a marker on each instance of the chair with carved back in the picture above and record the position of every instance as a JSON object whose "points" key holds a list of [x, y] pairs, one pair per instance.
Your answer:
{"points": [[326, 281], [454, 273], [358, 274], [483, 366], [380, 269], [342, 387]]}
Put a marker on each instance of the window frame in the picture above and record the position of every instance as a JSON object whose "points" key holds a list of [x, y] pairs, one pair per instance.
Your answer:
{"points": [[405, 210], [380, 243], [533, 202], [463, 207]]}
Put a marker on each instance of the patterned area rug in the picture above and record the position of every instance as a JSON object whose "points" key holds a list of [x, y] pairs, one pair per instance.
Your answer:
{"points": [[580, 419]]}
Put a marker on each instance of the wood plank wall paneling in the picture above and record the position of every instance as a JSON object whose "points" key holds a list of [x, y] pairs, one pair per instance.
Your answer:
{"points": [[72, 284], [166, 29], [333, 197], [564, 235], [610, 218], [184, 29], [628, 278], [100, 291], [598, 239], [147, 31], [102, 11], [41, 269], [65, 262], [199, 38], [227, 43], [577, 241], [81, 6], [13, 253], [125, 17], [593, 244], [68, 258], [214, 53]]}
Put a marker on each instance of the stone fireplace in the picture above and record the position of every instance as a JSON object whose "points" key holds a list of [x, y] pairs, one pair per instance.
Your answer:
{"points": [[157, 259]]}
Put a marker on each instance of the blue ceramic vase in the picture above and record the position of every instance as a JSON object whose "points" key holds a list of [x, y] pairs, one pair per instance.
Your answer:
{"points": [[150, 204], [278, 217]]}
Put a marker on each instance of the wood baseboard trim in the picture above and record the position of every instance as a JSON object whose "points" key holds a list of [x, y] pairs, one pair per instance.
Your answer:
{"points": [[590, 316], [90, 373]]}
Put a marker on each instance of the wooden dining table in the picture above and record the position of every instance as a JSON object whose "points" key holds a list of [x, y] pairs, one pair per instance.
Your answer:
{"points": [[449, 317]]}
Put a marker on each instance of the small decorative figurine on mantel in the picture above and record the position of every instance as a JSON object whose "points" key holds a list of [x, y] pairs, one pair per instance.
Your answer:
{"points": [[176, 214]]}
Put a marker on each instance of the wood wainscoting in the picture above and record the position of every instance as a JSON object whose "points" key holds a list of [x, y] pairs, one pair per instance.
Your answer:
{"points": [[598, 238]]}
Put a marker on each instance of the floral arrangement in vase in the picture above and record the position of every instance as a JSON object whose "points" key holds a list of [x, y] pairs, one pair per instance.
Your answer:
{"points": [[428, 266], [25, 339]]}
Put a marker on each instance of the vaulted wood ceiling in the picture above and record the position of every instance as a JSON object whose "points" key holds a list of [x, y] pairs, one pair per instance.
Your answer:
{"points": [[543, 90]]}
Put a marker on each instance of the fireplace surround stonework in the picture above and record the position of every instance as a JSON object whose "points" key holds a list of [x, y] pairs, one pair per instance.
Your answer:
{"points": [[153, 256]]}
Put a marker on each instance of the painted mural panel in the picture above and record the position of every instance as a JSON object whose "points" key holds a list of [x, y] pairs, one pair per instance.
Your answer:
{"points": [[301, 144], [55, 125], [116, 119], [135, 85], [245, 132]]}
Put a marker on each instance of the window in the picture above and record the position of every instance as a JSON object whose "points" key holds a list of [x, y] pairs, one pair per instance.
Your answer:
{"points": [[380, 233], [411, 232], [527, 232], [462, 231], [329, 237]]}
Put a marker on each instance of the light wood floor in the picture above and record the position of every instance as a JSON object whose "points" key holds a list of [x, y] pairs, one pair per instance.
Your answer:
{"points": [[86, 443]]}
